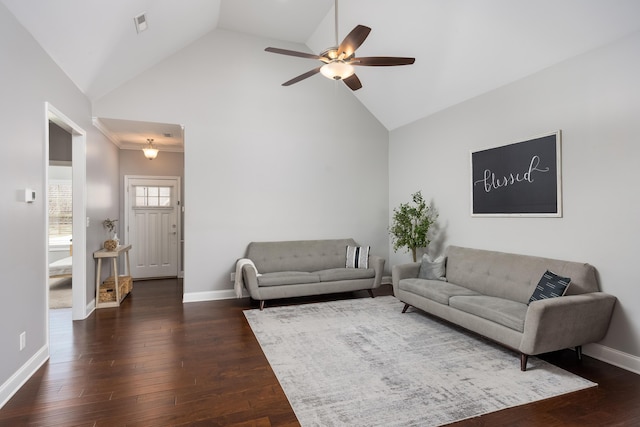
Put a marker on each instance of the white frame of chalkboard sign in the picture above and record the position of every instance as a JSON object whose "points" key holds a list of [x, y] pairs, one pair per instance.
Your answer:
{"points": [[517, 179]]}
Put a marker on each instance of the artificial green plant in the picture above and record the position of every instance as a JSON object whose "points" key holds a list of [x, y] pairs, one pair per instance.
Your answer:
{"points": [[109, 224], [411, 224]]}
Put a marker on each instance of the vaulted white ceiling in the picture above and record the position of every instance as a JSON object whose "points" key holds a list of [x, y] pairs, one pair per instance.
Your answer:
{"points": [[463, 48]]}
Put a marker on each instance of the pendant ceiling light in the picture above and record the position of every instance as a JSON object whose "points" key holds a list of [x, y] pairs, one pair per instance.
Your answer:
{"points": [[150, 152]]}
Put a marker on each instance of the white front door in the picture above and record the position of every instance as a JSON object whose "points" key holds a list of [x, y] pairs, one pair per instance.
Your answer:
{"points": [[152, 226]]}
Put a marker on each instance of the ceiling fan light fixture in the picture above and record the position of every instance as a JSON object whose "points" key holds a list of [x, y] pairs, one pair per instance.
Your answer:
{"points": [[150, 152], [337, 70], [330, 53]]}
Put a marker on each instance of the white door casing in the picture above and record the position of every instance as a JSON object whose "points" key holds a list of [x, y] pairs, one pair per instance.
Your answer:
{"points": [[80, 309], [151, 225]]}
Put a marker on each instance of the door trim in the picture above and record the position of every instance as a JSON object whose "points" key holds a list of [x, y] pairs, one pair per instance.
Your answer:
{"points": [[79, 309]]}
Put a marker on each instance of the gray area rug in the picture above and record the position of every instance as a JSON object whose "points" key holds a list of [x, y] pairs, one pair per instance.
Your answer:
{"points": [[362, 362], [60, 294]]}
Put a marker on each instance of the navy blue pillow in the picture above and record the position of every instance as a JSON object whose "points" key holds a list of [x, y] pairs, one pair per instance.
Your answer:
{"points": [[550, 286]]}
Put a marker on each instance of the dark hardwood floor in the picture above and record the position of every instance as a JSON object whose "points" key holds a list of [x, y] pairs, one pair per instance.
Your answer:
{"points": [[157, 362]]}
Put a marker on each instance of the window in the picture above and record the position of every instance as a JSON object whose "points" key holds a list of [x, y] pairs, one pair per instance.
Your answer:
{"points": [[60, 213], [147, 196]]}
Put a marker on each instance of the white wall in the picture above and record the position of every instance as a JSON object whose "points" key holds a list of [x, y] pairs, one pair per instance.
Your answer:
{"points": [[594, 100], [28, 79], [262, 161]]}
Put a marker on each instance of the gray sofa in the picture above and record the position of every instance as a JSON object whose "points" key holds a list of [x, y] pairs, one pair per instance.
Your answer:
{"points": [[488, 292], [306, 267]]}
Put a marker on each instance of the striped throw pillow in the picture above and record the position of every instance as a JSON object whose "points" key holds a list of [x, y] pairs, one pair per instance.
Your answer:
{"points": [[357, 257]]}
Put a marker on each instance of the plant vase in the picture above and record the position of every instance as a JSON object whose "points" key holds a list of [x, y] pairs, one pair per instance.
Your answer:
{"points": [[112, 243]]}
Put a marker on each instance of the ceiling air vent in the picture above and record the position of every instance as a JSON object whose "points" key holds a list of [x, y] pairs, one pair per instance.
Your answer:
{"points": [[141, 23], [167, 135]]}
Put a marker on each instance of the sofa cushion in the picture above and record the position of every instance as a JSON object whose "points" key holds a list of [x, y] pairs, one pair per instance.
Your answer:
{"points": [[435, 290], [432, 269], [287, 278], [335, 274], [502, 311], [357, 257], [550, 286]]}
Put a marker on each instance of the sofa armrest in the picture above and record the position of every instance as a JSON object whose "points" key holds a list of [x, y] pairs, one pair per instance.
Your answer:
{"points": [[377, 263], [250, 279], [568, 321], [403, 271]]}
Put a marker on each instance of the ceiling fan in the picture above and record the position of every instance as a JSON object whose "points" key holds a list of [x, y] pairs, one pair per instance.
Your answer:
{"points": [[339, 61]]}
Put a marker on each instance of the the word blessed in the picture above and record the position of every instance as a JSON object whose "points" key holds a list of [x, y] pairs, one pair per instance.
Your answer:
{"points": [[492, 182]]}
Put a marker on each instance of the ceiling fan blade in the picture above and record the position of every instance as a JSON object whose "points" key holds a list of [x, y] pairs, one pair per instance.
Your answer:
{"points": [[382, 61], [302, 76], [354, 39], [353, 82], [294, 53]]}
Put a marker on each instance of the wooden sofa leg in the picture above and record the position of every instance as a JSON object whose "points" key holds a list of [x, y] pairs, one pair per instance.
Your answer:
{"points": [[371, 293], [406, 306], [579, 352], [261, 304], [523, 361]]}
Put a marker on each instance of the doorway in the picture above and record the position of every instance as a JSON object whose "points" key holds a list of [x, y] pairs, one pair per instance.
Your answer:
{"points": [[152, 218], [60, 204], [131, 137], [78, 222]]}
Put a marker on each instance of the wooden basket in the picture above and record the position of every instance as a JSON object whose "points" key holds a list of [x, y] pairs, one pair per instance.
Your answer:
{"points": [[108, 288]]}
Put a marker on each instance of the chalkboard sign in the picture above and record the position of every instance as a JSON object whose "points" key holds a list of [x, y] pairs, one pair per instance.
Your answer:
{"points": [[521, 179]]}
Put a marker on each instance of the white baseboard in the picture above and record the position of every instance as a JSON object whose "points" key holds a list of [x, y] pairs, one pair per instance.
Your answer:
{"points": [[22, 375], [211, 295], [613, 357], [90, 308]]}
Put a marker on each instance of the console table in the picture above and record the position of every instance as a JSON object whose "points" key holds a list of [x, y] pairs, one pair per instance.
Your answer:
{"points": [[113, 255]]}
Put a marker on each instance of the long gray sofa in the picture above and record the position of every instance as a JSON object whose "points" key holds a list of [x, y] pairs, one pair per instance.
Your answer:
{"points": [[306, 267], [488, 292]]}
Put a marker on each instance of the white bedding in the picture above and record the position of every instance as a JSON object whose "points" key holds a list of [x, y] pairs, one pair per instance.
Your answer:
{"points": [[60, 268]]}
